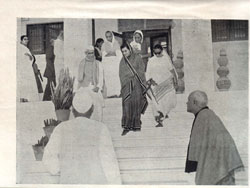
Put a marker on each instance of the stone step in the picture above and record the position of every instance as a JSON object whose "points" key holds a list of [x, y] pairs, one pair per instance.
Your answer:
{"points": [[151, 133], [165, 176], [153, 141], [149, 152], [147, 116], [168, 177], [39, 178], [152, 163]]}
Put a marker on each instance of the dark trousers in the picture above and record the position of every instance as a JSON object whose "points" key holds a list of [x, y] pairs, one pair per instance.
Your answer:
{"points": [[47, 92]]}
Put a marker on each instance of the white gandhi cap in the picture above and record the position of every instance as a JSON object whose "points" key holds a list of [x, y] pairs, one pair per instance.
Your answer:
{"points": [[82, 101]]}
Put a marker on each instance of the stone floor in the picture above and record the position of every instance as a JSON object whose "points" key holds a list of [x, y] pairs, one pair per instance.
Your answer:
{"points": [[152, 156]]}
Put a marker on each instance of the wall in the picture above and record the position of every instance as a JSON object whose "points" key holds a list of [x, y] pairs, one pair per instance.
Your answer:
{"points": [[77, 37], [197, 51], [103, 25], [176, 33], [237, 54]]}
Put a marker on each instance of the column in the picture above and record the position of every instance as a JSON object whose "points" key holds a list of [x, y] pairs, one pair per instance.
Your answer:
{"points": [[197, 50], [77, 37]]}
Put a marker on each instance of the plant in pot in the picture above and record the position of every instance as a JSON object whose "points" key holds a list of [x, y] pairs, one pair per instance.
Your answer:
{"points": [[62, 95], [49, 126], [39, 148]]}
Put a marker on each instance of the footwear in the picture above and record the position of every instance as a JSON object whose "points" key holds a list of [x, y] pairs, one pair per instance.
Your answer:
{"points": [[166, 116], [124, 132], [159, 125]]}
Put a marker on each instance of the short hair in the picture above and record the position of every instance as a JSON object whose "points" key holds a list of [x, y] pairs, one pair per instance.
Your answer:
{"points": [[126, 45], [158, 46], [98, 41], [200, 97], [22, 37], [109, 32]]}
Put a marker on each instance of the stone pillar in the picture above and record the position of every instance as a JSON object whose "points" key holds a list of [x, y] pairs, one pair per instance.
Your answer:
{"points": [[77, 37], [197, 50]]}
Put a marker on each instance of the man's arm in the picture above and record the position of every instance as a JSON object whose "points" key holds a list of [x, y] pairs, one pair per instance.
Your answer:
{"points": [[51, 153]]}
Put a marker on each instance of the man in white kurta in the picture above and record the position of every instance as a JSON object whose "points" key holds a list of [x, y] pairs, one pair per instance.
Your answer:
{"points": [[162, 72], [80, 150], [111, 59], [90, 75], [26, 83]]}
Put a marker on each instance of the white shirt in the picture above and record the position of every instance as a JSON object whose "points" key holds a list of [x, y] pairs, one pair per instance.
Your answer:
{"points": [[81, 151]]}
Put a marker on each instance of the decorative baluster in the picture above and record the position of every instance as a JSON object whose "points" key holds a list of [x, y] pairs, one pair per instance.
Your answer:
{"points": [[223, 83], [178, 64]]}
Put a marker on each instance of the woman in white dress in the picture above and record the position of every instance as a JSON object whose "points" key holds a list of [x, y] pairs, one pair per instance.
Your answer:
{"points": [[110, 61], [27, 89], [163, 77]]}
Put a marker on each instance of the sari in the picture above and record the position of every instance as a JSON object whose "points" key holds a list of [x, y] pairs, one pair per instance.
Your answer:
{"points": [[133, 91]]}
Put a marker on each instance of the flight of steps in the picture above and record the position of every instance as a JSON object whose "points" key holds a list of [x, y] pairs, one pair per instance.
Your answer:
{"points": [[155, 155]]}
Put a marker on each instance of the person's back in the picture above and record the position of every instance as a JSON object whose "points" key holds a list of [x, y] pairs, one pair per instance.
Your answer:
{"points": [[79, 152], [85, 153]]}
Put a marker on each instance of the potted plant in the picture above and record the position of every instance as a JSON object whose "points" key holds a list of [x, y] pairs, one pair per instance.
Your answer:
{"points": [[62, 95], [50, 124], [39, 148]]}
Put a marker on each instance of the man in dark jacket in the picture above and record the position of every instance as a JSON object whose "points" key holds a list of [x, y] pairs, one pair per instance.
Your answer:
{"points": [[49, 72], [212, 153]]}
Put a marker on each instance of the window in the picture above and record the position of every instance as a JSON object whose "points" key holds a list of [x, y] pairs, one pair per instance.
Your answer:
{"points": [[40, 35], [229, 30]]}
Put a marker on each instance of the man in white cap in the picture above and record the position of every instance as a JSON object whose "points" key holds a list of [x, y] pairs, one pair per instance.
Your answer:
{"points": [[90, 75], [80, 150]]}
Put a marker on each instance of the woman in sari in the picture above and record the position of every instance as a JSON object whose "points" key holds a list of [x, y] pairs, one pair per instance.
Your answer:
{"points": [[163, 77], [133, 90]]}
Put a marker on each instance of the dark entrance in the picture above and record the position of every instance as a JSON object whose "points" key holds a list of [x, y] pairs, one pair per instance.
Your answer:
{"points": [[155, 31]]}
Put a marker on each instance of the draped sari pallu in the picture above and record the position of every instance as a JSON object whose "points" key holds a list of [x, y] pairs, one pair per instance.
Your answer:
{"points": [[162, 89], [132, 86]]}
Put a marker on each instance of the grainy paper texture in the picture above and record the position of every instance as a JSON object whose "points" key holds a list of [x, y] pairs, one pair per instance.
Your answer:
{"points": [[12, 9]]}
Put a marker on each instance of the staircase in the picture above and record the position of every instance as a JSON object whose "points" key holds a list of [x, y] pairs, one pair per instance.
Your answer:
{"points": [[155, 155]]}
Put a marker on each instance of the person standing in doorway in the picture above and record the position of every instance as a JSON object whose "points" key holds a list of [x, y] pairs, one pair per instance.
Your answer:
{"points": [[140, 46]]}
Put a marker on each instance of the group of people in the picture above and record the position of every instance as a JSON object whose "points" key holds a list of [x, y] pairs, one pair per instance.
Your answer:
{"points": [[128, 71]]}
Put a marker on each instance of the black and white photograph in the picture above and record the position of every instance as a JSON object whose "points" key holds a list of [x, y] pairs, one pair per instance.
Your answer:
{"points": [[132, 101]]}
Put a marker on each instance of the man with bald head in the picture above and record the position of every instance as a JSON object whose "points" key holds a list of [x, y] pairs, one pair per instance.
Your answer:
{"points": [[212, 153]]}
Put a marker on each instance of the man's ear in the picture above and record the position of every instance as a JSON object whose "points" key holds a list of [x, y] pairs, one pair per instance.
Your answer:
{"points": [[194, 102]]}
